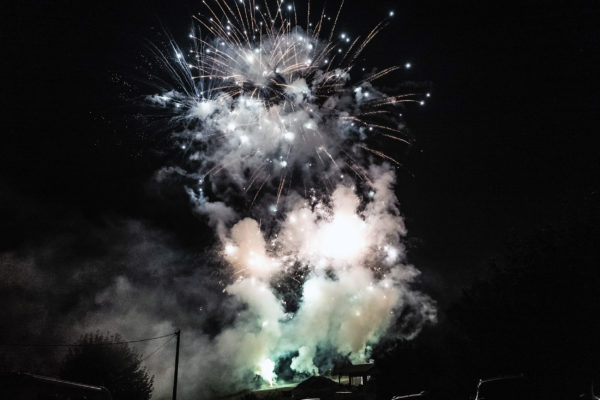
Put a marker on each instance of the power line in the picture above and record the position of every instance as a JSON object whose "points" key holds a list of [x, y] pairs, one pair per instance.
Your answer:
{"points": [[158, 348], [84, 344], [121, 374]]}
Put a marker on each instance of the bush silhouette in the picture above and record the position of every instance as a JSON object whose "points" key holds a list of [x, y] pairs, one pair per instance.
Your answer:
{"points": [[99, 361]]}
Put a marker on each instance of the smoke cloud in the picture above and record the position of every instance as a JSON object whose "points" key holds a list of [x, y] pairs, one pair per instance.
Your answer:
{"points": [[276, 141], [276, 147]]}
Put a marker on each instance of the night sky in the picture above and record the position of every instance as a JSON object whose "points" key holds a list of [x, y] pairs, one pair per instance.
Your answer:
{"points": [[506, 145]]}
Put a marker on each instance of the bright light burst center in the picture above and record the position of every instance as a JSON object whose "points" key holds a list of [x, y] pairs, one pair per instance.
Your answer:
{"points": [[342, 239]]}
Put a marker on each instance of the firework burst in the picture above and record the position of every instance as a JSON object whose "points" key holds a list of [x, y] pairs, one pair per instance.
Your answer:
{"points": [[280, 96], [277, 142]]}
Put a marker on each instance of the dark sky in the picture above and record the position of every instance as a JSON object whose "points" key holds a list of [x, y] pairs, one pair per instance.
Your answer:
{"points": [[508, 142]]}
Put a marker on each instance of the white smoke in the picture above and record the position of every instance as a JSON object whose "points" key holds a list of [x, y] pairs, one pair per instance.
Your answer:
{"points": [[356, 282], [277, 160]]}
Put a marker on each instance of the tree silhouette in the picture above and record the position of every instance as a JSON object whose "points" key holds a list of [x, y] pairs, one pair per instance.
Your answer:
{"points": [[99, 360], [533, 310], [536, 311]]}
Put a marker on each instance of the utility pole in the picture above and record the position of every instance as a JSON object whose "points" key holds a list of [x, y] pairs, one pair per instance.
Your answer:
{"points": [[178, 333]]}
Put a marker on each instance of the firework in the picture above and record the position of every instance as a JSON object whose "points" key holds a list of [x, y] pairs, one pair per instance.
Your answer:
{"points": [[274, 97], [277, 136]]}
